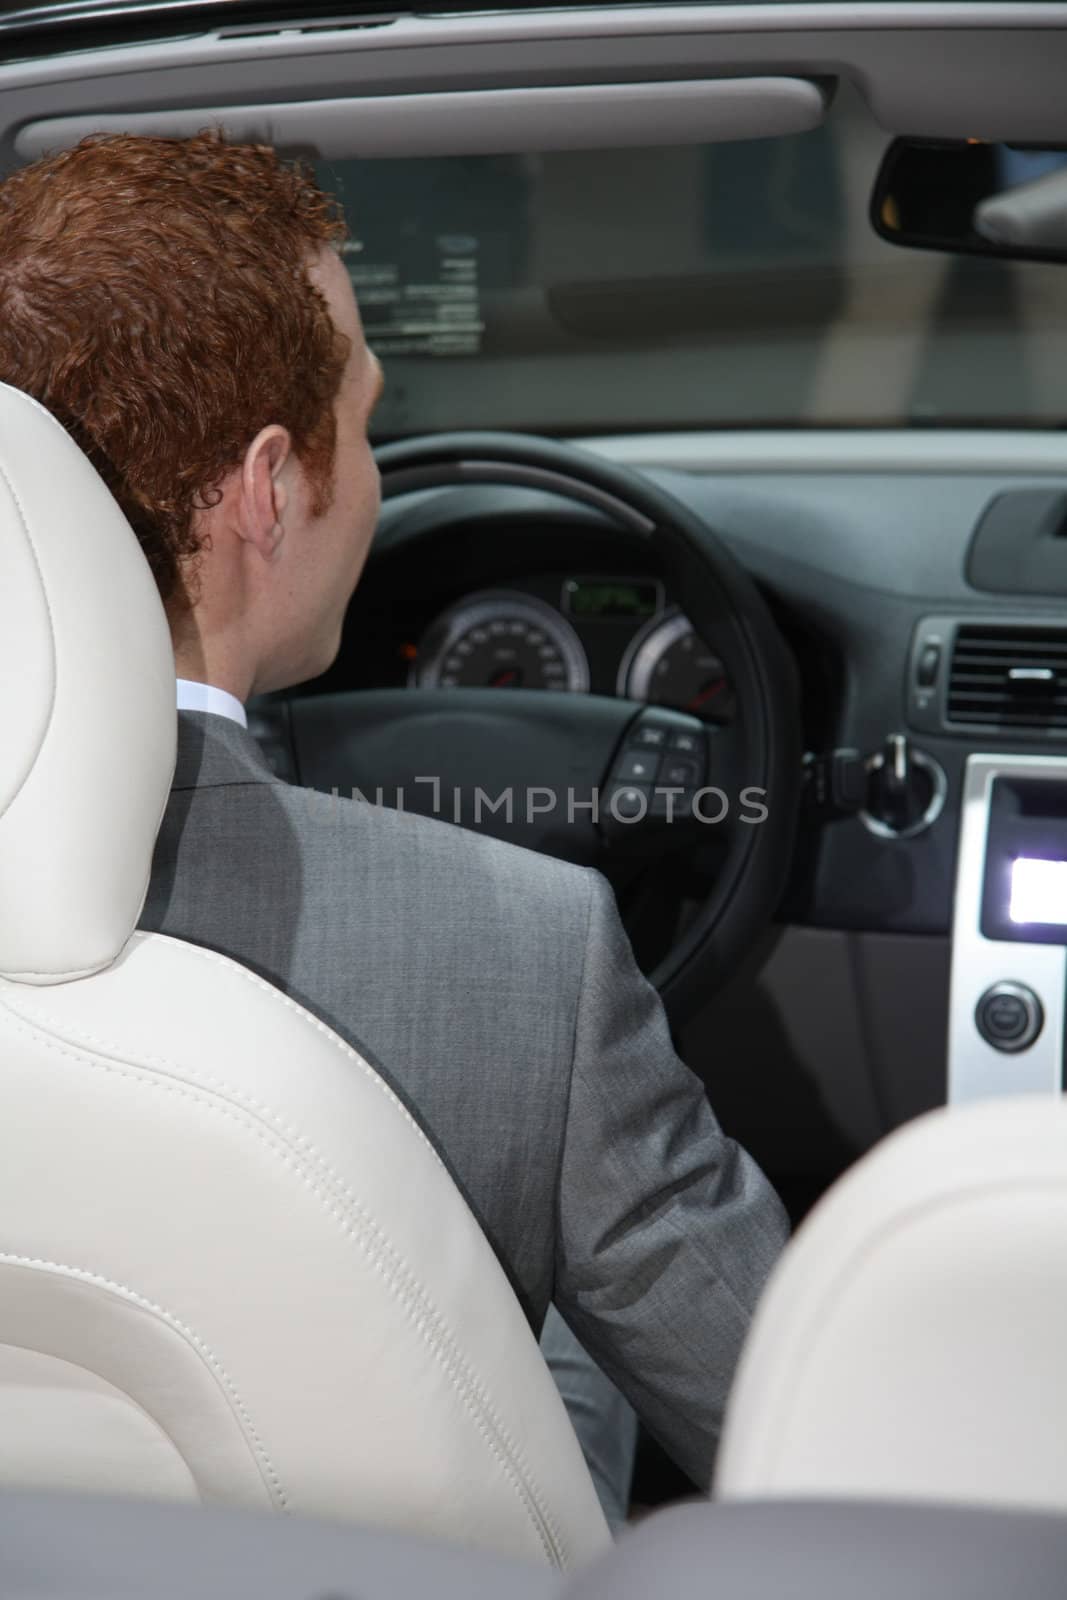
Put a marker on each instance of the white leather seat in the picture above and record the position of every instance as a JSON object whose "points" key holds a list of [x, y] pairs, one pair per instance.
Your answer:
{"points": [[231, 1267], [912, 1342]]}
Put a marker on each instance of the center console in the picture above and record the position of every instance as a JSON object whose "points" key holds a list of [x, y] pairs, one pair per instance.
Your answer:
{"points": [[1009, 933]]}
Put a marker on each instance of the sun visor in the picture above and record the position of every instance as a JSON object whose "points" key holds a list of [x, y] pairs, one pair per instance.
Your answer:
{"points": [[480, 121]]}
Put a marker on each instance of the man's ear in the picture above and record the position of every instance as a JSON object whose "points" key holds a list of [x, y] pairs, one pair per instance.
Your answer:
{"points": [[263, 495]]}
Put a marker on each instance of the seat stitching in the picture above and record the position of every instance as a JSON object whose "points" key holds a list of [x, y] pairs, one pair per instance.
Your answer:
{"points": [[400, 1279], [75, 1036], [203, 1350], [60, 974]]}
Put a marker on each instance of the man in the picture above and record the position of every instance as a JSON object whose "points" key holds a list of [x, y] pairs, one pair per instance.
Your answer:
{"points": [[181, 308]]}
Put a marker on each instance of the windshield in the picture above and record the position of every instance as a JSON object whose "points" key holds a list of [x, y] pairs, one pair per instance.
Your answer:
{"points": [[727, 285]]}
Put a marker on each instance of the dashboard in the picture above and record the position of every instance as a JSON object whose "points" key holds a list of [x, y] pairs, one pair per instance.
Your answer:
{"points": [[866, 555]]}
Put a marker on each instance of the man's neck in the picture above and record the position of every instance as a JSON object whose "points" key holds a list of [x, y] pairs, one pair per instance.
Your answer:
{"points": [[215, 656], [200, 666]]}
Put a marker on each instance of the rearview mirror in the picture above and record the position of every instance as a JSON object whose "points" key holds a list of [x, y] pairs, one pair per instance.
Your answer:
{"points": [[979, 199]]}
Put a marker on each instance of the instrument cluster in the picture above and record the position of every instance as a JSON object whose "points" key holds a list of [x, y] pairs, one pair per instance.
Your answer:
{"points": [[604, 635]]}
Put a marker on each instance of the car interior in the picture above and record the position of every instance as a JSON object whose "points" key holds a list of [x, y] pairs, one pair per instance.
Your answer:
{"points": [[723, 548]]}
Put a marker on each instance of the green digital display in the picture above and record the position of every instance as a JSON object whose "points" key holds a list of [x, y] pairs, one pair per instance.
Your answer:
{"points": [[612, 599]]}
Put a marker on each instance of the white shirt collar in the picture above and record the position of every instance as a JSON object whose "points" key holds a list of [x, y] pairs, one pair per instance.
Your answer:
{"points": [[205, 697]]}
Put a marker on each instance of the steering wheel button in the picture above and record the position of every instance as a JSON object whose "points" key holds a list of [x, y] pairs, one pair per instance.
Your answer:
{"points": [[638, 767], [681, 774], [649, 737], [668, 803], [686, 743], [629, 801]]}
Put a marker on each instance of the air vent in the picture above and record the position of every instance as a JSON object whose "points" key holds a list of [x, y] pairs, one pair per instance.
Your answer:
{"points": [[1013, 677]]}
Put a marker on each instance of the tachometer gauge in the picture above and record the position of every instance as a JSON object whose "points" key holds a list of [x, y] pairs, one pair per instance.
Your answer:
{"points": [[501, 640], [668, 665]]}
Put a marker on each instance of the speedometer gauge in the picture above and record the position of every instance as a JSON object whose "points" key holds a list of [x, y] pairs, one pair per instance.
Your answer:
{"points": [[668, 665], [501, 640]]}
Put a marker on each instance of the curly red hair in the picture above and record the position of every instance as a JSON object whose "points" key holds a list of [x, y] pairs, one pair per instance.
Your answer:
{"points": [[155, 297]]}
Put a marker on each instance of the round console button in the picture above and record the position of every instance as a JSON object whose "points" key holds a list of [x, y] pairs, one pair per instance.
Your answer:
{"points": [[1009, 1016]]}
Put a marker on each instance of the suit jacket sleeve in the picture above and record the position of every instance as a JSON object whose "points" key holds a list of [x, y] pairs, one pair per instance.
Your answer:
{"points": [[666, 1229]]}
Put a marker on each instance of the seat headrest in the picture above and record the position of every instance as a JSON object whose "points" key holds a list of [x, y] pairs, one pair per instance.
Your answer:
{"points": [[909, 1344], [88, 704]]}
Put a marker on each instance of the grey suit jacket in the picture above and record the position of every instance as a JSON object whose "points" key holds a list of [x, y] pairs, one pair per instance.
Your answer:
{"points": [[497, 992]]}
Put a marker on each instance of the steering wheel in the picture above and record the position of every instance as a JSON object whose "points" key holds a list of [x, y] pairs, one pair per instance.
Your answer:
{"points": [[584, 756]]}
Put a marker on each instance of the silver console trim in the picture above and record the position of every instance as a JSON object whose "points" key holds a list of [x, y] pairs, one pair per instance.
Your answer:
{"points": [[975, 1069]]}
